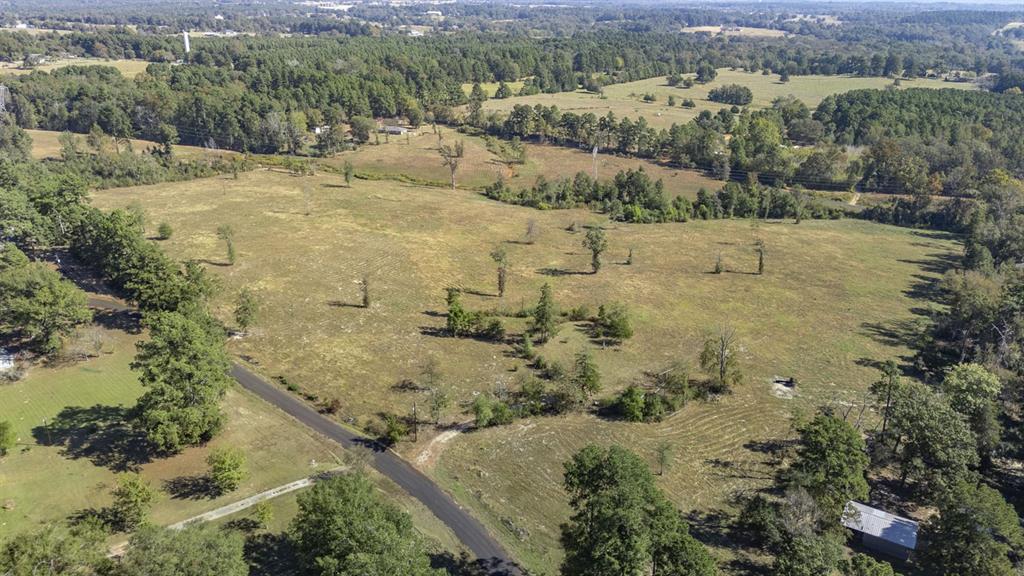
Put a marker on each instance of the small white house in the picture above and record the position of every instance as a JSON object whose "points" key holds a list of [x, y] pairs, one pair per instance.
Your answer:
{"points": [[881, 531], [396, 130]]}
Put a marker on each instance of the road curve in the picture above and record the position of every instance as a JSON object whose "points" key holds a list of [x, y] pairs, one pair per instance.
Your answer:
{"points": [[473, 535]]}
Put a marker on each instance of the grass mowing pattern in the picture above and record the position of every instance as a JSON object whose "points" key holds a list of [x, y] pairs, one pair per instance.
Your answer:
{"points": [[836, 296]]}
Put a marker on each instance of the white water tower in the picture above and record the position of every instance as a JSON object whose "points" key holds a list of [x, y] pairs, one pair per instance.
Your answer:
{"points": [[188, 48]]}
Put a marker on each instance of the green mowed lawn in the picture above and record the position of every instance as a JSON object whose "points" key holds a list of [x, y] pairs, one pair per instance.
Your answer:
{"points": [[417, 159], [626, 100], [836, 297], [72, 444]]}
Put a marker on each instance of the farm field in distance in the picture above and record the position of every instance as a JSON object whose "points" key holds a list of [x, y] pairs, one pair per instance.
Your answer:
{"points": [[129, 68], [626, 99], [835, 298], [736, 31], [417, 159], [46, 145]]}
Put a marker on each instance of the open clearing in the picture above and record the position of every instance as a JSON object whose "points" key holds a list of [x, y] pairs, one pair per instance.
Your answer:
{"points": [[46, 144], [490, 88], [626, 100], [836, 297], [417, 159], [72, 445], [129, 68], [60, 469], [735, 31]]}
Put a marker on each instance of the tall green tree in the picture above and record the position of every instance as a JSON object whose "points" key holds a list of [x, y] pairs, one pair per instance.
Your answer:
{"points": [[246, 309], [227, 234], [597, 243], [36, 303], [932, 442], [8, 437], [184, 368], [133, 498], [500, 257], [544, 315], [55, 549], [343, 528], [972, 391], [613, 322], [15, 143], [808, 555], [885, 388], [193, 551], [585, 376], [622, 524], [864, 565], [720, 358], [831, 464], [974, 533], [227, 468]]}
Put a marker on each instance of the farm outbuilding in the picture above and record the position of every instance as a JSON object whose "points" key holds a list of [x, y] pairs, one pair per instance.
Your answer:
{"points": [[881, 531], [395, 130]]}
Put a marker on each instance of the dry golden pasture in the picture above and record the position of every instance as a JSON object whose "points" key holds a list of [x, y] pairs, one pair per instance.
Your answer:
{"points": [[836, 297], [416, 158], [128, 68], [46, 144], [626, 100]]}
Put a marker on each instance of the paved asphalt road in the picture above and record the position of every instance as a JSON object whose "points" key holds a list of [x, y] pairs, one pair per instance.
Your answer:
{"points": [[467, 529]]}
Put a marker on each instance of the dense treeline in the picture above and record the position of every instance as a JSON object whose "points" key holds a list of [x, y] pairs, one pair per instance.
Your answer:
{"points": [[987, 126], [942, 154], [633, 197], [183, 365], [257, 93], [940, 39]]}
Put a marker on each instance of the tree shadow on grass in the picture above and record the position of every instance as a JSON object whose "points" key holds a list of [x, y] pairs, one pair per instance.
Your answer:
{"points": [[124, 320], [479, 293], [270, 555], [556, 272], [463, 565], [729, 469], [208, 262], [892, 333], [191, 488], [927, 286], [342, 304], [99, 433]]}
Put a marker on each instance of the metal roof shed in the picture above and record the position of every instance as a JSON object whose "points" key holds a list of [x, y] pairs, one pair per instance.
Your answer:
{"points": [[881, 531]]}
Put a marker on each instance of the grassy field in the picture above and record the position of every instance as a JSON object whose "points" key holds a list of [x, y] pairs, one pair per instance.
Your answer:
{"points": [[626, 100], [492, 87], [735, 31], [71, 443], [438, 536], [129, 68], [836, 297], [418, 159], [46, 144]]}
